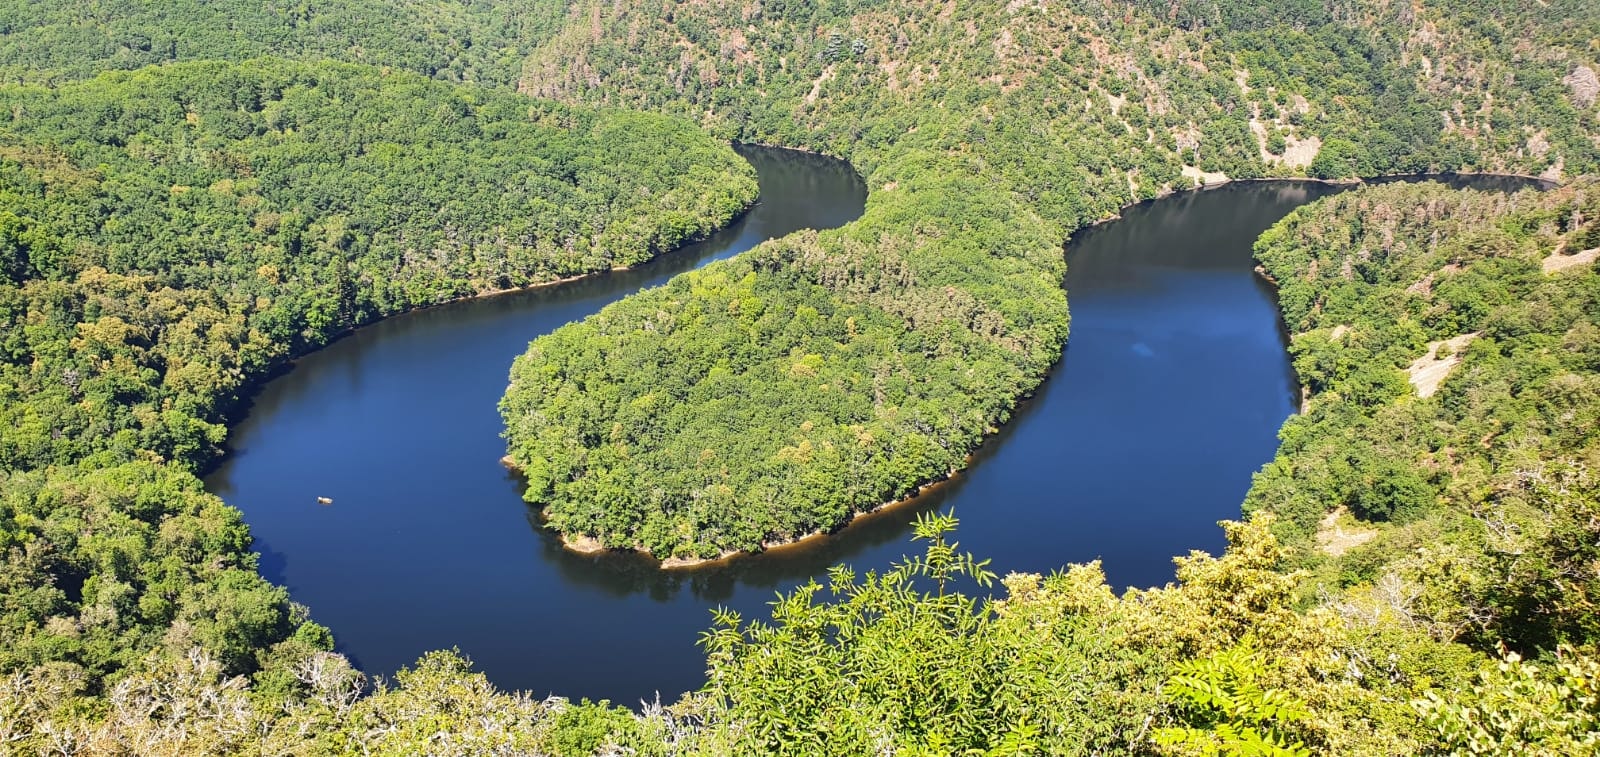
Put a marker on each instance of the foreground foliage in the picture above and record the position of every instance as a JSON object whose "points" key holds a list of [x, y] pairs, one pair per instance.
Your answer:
{"points": [[1518, 705], [1222, 692], [905, 662]]}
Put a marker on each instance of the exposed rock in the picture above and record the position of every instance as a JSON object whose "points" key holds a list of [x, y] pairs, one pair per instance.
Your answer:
{"points": [[1336, 539], [1538, 145], [1204, 178], [1298, 153], [1585, 85], [1430, 370], [1559, 262], [1553, 173], [582, 544]]}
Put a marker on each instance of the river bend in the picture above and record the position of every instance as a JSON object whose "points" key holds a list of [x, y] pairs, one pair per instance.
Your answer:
{"points": [[1168, 397]]}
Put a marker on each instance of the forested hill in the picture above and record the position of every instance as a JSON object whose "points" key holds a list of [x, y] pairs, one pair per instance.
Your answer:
{"points": [[1444, 468], [168, 233], [474, 41], [1124, 90], [874, 359]]}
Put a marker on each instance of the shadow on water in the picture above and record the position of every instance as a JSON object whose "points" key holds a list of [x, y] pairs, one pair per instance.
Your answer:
{"points": [[1145, 434], [270, 563], [623, 574]]}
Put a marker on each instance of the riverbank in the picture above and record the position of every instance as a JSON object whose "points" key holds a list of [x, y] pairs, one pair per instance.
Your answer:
{"points": [[584, 544], [588, 545], [1169, 191], [492, 293], [232, 413]]}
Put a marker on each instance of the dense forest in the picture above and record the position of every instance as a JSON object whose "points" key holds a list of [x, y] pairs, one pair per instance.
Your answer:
{"points": [[472, 41], [1416, 571], [770, 396], [1123, 94], [180, 229], [1450, 347]]}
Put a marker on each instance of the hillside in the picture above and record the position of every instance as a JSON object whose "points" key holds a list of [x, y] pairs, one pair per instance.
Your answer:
{"points": [[1474, 492], [1126, 92], [189, 226], [52, 40]]}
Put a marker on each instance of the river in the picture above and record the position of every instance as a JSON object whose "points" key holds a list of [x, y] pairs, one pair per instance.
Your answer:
{"points": [[1168, 397]]}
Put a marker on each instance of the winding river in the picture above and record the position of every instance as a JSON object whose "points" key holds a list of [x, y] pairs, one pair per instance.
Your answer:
{"points": [[1167, 399]]}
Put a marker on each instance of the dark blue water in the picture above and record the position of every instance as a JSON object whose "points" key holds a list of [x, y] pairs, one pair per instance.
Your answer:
{"points": [[1167, 399]]}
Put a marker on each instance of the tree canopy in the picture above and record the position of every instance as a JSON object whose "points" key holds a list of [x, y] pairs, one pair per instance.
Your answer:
{"points": [[1416, 572], [482, 42]]}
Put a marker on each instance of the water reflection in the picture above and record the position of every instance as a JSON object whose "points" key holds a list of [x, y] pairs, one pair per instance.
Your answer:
{"points": [[1146, 433]]}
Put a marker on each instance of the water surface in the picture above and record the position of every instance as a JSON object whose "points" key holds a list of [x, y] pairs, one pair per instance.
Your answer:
{"points": [[1167, 399]]}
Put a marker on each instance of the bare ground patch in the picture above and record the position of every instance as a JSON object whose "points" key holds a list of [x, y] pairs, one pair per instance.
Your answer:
{"points": [[1204, 178], [1559, 262], [1430, 370], [1338, 533], [1300, 152], [1297, 152]]}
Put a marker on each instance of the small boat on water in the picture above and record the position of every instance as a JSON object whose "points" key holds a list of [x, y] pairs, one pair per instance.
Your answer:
{"points": [[324, 500]]}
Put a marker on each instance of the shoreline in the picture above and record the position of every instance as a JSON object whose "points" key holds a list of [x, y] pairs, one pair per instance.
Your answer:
{"points": [[235, 412], [583, 544], [492, 293], [1542, 182]]}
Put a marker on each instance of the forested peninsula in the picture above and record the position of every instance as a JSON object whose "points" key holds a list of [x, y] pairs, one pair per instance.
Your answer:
{"points": [[825, 375], [1416, 571]]}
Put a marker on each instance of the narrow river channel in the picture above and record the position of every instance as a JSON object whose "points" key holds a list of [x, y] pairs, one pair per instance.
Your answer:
{"points": [[1167, 399]]}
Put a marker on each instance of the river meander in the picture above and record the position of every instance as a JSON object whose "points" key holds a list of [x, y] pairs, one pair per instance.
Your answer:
{"points": [[1168, 397]]}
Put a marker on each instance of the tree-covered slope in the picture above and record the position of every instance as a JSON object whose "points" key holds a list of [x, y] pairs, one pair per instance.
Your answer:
{"points": [[1467, 626], [177, 230], [1466, 506], [471, 40], [822, 376], [1247, 88]]}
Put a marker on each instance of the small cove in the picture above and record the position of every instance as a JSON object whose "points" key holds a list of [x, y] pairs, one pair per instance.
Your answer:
{"points": [[1167, 399]]}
